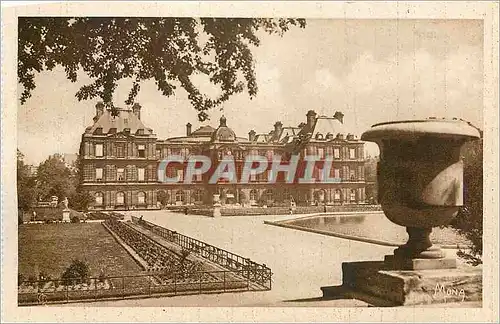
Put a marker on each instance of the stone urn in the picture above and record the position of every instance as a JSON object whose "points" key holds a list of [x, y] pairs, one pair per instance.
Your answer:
{"points": [[420, 179]]}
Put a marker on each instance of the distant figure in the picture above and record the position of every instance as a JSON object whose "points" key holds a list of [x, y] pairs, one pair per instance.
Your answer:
{"points": [[185, 210], [324, 208], [141, 217], [34, 216]]}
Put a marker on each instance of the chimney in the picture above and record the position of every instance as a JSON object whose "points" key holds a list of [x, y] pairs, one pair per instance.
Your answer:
{"points": [[136, 109], [188, 129], [339, 116], [311, 118], [277, 128], [251, 135], [99, 110]]}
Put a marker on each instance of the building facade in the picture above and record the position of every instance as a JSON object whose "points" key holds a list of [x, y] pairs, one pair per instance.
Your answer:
{"points": [[120, 158]]}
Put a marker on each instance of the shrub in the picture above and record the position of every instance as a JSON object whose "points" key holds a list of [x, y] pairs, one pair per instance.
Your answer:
{"points": [[75, 220], [20, 279], [76, 273], [31, 280]]}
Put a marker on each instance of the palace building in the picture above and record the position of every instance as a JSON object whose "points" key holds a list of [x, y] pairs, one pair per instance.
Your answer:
{"points": [[120, 157]]}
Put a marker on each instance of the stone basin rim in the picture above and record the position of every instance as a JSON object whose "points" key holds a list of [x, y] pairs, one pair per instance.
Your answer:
{"points": [[422, 127]]}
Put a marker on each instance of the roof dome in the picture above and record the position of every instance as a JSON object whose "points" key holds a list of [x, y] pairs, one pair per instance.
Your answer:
{"points": [[223, 133]]}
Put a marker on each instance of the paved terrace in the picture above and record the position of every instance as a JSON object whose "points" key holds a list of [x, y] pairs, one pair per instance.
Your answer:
{"points": [[301, 262]]}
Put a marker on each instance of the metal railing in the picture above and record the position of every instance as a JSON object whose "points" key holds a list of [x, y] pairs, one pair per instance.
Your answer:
{"points": [[40, 292], [257, 273]]}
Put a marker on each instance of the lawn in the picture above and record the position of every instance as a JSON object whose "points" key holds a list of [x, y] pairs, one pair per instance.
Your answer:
{"points": [[50, 248]]}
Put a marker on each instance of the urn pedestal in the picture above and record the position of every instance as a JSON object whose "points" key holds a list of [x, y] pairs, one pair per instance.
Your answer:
{"points": [[65, 216], [420, 185]]}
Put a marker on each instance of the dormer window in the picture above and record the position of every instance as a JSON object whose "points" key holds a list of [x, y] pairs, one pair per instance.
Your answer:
{"points": [[319, 136], [140, 131], [126, 130], [98, 130], [112, 131]]}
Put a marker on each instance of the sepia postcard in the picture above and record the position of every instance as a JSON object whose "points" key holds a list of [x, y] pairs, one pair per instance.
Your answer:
{"points": [[235, 161]]}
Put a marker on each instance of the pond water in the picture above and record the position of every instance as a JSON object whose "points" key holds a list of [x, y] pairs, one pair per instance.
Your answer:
{"points": [[373, 226]]}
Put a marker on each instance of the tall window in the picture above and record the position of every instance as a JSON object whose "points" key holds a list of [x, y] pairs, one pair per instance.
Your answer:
{"points": [[198, 175], [286, 194], [180, 175], [269, 194], [253, 194], [352, 153], [253, 175], [120, 198], [141, 150], [179, 195], [336, 173], [120, 174], [99, 198], [98, 150], [353, 195], [141, 198], [321, 152], [98, 174], [337, 194], [120, 150], [198, 195], [140, 174], [336, 153], [352, 175]]}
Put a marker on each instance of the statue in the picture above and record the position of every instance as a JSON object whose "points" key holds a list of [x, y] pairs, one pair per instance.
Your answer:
{"points": [[65, 203], [66, 211]]}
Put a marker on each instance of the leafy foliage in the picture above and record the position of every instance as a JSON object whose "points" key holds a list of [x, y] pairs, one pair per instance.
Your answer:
{"points": [[469, 221], [170, 51], [26, 192], [54, 178]]}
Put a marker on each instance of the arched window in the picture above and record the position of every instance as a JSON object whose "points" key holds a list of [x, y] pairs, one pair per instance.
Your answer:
{"points": [[198, 195], [99, 198], [120, 198], [162, 197], [141, 198], [353, 195], [179, 195], [337, 195], [286, 194], [269, 195], [253, 194]]}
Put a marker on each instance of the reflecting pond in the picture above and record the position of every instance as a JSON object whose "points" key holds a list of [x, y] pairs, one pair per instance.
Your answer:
{"points": [[373, 226]]}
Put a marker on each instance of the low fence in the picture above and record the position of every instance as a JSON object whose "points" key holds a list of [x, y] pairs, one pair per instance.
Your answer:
{"points": [[256, 273], [41, 292]]}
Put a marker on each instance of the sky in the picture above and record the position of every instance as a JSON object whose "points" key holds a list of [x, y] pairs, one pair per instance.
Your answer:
{"points": [[371, 70]]}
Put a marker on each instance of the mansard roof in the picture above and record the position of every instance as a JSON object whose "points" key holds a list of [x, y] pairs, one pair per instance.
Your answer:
{"points": [[206, 130], [126, 119]]}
